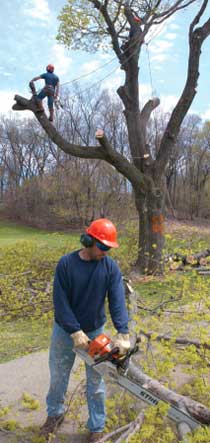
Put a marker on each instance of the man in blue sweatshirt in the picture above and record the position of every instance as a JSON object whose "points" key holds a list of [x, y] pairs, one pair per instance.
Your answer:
{"points": [[83, 280]]}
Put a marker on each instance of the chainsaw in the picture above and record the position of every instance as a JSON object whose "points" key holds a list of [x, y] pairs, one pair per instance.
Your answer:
{"points": [[107, 361]]}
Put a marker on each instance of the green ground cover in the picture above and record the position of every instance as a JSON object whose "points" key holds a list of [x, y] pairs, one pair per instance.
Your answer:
{"points": [[28, 258], [176, 304], [24, 336], [11, 233]]}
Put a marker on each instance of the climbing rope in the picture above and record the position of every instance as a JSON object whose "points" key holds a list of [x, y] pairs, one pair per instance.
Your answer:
{"points": [[107, 75], [153, 91], [88, 73], [75, 80], [150, 69]]}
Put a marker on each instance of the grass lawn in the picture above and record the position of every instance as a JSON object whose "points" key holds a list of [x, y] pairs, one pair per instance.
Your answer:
{"points": [[27, 254], [23, 336], [11, 233], [27, 261]]}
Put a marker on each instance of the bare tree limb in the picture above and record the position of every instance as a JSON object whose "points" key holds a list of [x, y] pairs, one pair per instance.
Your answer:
{"points": [[194, 408], [112, 32], [148, 108], [179, 340], [196, 38], [105, 152]]}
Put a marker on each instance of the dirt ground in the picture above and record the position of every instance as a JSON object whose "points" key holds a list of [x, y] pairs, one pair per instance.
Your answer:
{"points": [[30, 374]]}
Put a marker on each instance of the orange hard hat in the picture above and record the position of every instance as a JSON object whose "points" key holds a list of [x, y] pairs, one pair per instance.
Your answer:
{"points": [[50, 68], [103, 230]]}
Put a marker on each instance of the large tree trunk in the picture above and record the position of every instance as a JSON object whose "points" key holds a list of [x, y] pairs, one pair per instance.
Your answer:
{"points": [[149, 201], [151, 231]]}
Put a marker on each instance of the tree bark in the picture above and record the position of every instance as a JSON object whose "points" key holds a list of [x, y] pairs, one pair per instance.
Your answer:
{"points": [[194, 408], [151, 231]]}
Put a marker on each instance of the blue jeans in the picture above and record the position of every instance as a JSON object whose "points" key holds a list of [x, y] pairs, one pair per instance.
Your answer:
{"points": [[50, 98], [61, 361]]}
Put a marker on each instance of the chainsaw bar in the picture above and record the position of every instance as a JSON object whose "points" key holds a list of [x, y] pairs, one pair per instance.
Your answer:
{"points": [[109, 369], [147, 396]]}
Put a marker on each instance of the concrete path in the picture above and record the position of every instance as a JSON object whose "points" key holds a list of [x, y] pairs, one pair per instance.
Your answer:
{"points": [[30, 374]]}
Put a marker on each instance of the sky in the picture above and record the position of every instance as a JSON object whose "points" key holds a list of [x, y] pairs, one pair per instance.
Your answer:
{"points": [[28, 43]]}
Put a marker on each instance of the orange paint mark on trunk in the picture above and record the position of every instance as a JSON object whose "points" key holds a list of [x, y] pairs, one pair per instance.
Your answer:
{"points": [[158, 224]]}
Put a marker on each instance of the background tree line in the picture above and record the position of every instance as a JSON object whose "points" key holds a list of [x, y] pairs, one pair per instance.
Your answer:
{"points": [[43, 186]]}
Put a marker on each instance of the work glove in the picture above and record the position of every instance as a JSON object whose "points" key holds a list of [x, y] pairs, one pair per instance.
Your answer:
{"points": [[122, 341], [80, 340]]}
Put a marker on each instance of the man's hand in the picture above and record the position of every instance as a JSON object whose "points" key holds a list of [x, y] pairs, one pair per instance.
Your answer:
{"points": [[80, 340], [122, 342]]}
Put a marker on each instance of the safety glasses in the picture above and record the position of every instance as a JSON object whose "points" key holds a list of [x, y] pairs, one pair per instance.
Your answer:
{"points": [[102, 247]]}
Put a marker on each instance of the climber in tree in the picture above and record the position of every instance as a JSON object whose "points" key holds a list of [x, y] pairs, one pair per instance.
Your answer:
{"points": [[50, 90]]}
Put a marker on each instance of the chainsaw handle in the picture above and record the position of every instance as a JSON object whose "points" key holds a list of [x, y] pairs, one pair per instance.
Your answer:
{"points": [[106, 356], [114, 351]]}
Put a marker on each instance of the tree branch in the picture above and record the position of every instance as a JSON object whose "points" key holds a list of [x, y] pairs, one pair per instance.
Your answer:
{"points": [[102, 152], [178, 341], [194, 408], [196, 38], [70, 148], [121, 164], [198, 17], [133, 428], [145, 115], [148, 108], [126, 430], [111, 29]]}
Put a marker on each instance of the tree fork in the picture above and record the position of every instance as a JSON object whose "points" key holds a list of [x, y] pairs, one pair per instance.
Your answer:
{"points": [[144, 178]]}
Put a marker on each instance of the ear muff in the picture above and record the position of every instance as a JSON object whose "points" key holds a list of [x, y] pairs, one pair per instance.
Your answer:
{"points": [[87, 240]]}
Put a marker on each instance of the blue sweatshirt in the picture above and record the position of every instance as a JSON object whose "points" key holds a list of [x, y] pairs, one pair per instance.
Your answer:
{"points": [[80, 289], [50, 79]]}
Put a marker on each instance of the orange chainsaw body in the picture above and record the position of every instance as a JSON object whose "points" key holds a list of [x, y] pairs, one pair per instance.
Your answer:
{"points": [[100, 346]]}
